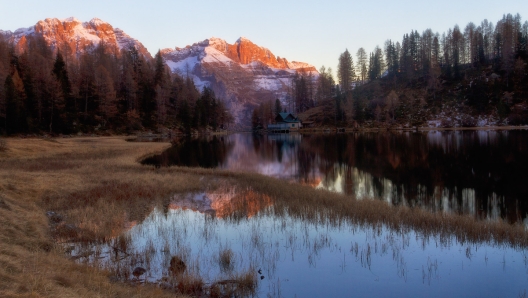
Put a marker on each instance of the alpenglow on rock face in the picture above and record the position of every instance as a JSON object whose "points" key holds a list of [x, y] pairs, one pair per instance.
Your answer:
{"points": [[72, 36], [242, 74]]}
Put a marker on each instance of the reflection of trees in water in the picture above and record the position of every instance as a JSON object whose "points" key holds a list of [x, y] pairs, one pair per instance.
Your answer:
{"points": [[482, 173], [207, 153], [461, 172]]}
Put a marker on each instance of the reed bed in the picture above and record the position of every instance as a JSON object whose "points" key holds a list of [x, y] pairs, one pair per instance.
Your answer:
{"points": [[319, 205]]}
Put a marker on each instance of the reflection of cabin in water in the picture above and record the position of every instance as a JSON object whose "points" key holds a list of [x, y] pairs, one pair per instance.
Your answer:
{"points": [[285, 122]]}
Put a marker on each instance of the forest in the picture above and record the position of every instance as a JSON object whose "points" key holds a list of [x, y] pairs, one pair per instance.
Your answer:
{"points": [[457, 78], [100, 90]]}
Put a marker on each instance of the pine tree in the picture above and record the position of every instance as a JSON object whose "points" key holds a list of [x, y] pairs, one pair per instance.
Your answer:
{"points": [[61, 74], [278, 107]]}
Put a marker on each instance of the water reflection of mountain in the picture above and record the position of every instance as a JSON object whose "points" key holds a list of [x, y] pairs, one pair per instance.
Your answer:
{"points": [[223, 202], [481, 173]]}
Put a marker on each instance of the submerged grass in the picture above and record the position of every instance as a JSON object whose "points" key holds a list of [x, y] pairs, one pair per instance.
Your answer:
{"points": [[225, 259], [91, 189]]}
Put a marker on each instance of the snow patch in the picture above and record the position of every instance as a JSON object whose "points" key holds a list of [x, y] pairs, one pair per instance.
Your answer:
{"points": [[268, 83], [97, 22], [183, 66], [79, 32], [70, 20], [213, 55]]}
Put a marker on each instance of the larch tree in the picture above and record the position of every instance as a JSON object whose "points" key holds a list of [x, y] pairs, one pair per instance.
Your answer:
{"points": [[361, 66], [106, 95], [345, 72]]}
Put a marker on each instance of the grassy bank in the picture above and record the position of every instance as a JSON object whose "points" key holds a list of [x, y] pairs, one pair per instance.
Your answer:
{"points": [[77, 176], [95, 186]]}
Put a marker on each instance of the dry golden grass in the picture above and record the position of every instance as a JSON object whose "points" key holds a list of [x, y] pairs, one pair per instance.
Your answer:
{"points": [[95, 186], [87, 182], [3, 145], [319, 205]]}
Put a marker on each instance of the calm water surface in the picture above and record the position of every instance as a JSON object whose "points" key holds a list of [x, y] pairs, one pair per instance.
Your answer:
{"points": [[481, 173], [300, 258]]}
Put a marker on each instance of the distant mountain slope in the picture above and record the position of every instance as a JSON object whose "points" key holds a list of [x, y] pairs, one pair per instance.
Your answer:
{"points": [[73, 36], [243, 74]]}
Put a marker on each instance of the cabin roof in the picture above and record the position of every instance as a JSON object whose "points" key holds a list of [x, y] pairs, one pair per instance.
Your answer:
{"points": [[286, 117]]}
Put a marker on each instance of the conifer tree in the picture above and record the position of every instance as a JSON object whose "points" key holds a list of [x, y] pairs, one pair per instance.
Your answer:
{"points": [[278, 107]]}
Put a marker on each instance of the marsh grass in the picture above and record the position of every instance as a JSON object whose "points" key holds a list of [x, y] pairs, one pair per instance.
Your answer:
{"points": [[225, 260], [305, 203], [191, 284], [243, 284]]}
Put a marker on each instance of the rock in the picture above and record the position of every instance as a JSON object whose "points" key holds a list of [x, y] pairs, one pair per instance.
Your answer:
{"points": [[138, 271], [75, 36], [243, 74], [54, 217], [177, 266]]}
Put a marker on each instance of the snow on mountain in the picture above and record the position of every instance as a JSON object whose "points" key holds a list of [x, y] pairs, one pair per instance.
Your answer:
{"points": [[74, 35], [242, 74]]}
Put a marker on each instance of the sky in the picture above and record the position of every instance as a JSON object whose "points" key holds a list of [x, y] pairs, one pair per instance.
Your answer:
{"points": [[316, 32]]}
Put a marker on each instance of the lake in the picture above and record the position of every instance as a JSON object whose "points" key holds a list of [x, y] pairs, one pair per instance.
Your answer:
{"points": [[295, 257], [480, 173]]}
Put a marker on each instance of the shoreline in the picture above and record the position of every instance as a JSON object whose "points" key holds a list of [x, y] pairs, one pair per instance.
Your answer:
{"points": [[161, 137], [407, 129], [92, 181]]}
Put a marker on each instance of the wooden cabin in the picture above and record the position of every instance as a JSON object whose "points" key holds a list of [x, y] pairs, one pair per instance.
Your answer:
{"points": [[285, 122]]}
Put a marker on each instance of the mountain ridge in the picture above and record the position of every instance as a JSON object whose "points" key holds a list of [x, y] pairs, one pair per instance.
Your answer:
{"points": [[74, 36], [242, 74]]}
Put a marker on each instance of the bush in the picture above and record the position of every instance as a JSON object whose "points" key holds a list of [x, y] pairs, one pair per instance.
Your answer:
{"points": [[468, 121]]}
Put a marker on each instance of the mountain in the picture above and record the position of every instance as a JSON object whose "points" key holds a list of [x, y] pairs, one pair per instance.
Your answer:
{"points": [[243, 74], [73, 36]]}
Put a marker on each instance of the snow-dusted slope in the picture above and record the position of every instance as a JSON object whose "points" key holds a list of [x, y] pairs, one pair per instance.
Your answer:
{"points": [[74, 35], [242, 74]]}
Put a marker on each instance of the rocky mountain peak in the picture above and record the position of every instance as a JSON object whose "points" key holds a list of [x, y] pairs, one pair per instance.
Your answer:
{"points": [[73, 36], [243, 74]]}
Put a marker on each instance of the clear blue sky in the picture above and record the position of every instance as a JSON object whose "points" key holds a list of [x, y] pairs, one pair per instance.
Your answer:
{"points": [[311, 31]]}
